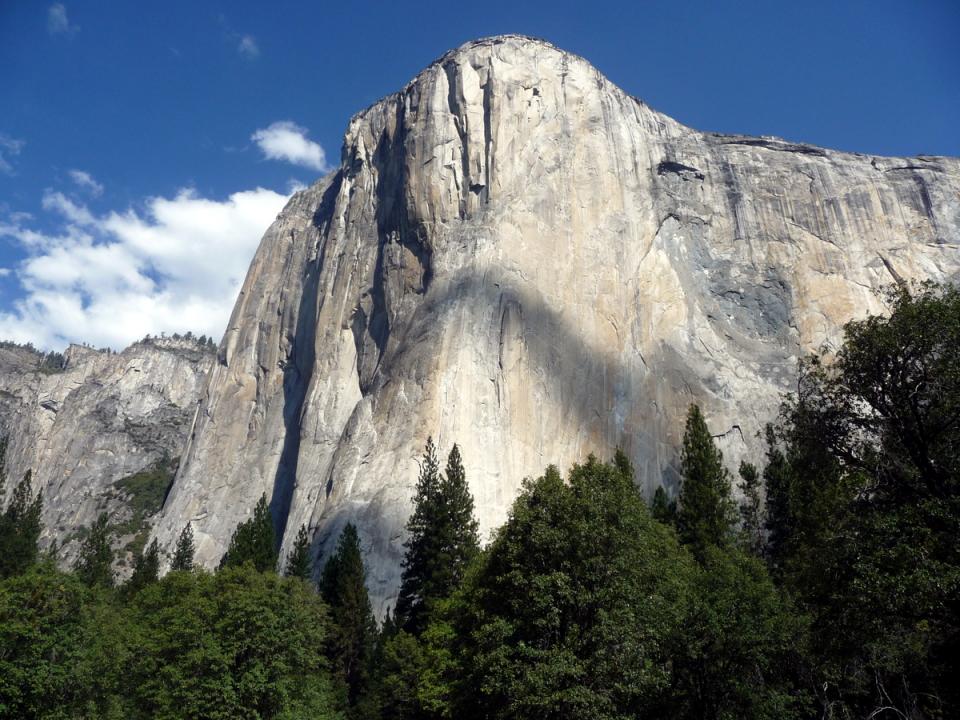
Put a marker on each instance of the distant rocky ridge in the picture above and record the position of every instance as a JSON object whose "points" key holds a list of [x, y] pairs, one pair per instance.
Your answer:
{"points": [[101, 431]]}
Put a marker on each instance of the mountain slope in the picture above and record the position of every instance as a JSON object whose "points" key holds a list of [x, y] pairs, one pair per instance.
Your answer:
{"points": [[517, 256], [102, 433]]}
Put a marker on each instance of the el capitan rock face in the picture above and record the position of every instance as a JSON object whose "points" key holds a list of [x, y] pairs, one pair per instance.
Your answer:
{"points": [[517, 256]]}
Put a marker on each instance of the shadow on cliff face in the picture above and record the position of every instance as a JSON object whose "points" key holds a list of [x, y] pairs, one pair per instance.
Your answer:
{"points": [[615, 394], [299, 369]]}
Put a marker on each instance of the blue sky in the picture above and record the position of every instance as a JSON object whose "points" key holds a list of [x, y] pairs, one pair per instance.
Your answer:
{"points": [[144, 147]]}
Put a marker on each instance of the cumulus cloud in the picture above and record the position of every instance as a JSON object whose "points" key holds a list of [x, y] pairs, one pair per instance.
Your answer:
{"points": [[175, 265], [285, 140], [85, 181], [57, 21], [9, 148], [248, 47]]}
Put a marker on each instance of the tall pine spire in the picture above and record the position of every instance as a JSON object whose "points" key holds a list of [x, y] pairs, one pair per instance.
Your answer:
{"points": [[444, 538], [705, 514]]}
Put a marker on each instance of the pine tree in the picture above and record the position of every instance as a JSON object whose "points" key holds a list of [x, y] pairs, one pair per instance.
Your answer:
{"points": [[662, 508], [751, 512], [20, 529], [254, 541], [444, 538], [96, 556], [146, 569], [779, 521], [299, 562], [418, 559], [462, 532], [705, 513], [183, 555], [353, 629]]}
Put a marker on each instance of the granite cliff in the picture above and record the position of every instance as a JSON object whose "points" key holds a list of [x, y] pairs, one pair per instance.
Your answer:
{"points": [[516, 255], [101, 432]]}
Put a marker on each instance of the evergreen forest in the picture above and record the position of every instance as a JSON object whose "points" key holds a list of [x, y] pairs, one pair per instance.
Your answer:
{"points": [[822, 580]]}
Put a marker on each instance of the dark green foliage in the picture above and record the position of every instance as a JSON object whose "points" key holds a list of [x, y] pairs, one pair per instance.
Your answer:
{"points": [[253, 541], [739, 651], [865, 509], [443, 539], [663, 509], [20, 529], [751, 511], [239, 644], [183, 555], [778, 522], [64, 648], [146, 569], [570, 610], [147, 489], [143, 493], [705, 514], [353, 630], [93, 564], [236, 644], [300, 562]]}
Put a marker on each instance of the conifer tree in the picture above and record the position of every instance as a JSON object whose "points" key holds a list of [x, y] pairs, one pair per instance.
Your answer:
{"points": [[460, 539], [419, 557], [254, 541], [705, 513], [299, 562], [779, 522], [20, 529], [353, 629], [444, 538], [96, 556], [183, 555], [146, 569], [751, 513], [662, 508]]}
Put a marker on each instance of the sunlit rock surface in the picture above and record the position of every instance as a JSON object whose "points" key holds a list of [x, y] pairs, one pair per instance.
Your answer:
{"points": [[86, 427], [517, 256]]}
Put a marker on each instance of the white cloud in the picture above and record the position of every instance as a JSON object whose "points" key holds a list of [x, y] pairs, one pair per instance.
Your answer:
{"points": [[85, 181], [57, 21], [60, 203], [248, 47], [285, 140], [9, 147], [108, 280]]}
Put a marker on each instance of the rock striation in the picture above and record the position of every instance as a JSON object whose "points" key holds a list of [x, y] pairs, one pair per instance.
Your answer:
{"points": [[101, 431], [517, 256]]}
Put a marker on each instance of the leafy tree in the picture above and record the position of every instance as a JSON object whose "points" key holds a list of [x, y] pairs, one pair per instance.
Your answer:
{"points": [[184, 552], [235, 644], [867, 540], [254, 541], [444, 538], [570, 610], [663, 509], [65, 647], [739, 652], [146, 569], [353, 630], [705, 513], [20, 529], [751, 512], [93, 564], [300, 562]]}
